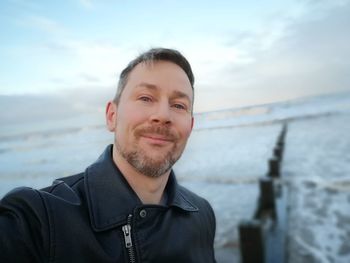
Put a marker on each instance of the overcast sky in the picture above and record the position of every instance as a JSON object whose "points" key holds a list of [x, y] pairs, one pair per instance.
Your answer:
{"points": [[242, 52]]}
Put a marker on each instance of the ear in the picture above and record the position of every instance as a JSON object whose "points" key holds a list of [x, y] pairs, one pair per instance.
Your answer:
{"points": [[192, 123], [111, 116]]}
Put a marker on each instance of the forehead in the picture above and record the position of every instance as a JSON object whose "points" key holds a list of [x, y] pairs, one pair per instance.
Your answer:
{"points": [[167, 76]]}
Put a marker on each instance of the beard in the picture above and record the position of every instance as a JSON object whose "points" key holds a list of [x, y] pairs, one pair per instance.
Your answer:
{"points": [[143, 162]]}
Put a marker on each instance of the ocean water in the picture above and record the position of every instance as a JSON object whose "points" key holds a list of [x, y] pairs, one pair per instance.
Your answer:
{"points": [[317, 168], [226, 155]]}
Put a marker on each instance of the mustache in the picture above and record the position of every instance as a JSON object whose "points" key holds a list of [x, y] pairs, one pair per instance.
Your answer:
{"points": [[157, 130]]}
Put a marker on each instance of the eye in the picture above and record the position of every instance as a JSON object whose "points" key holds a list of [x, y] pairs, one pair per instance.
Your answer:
{"points": [[145, 98], [179, 106]]}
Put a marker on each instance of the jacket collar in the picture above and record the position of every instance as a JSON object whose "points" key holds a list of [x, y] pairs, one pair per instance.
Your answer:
{"points": [[111, 199]]}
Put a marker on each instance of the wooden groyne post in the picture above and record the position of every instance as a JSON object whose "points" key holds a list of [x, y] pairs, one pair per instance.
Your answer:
{"points": [[262, 238]]}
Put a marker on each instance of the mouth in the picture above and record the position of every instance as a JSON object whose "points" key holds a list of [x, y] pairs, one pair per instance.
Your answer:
{"points": [[157, 139], [156, 136]]}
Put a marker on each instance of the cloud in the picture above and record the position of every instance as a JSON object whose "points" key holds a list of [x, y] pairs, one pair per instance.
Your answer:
{"points": [[309, 57], [312, 50], [89, 78], [86, 4], [88, 61], [57, 47], [42, 23], [70, 102], [23, 5]]}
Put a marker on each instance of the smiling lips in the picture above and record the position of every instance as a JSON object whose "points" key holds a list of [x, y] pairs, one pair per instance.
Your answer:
{"points": [[157, 139], [156, 135]]}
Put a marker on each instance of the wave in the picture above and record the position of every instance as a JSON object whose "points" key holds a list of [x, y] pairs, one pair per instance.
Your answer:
{"points": [[46, 134]]}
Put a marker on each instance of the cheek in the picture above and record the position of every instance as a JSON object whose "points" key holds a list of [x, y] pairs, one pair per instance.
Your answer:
{"points": [[186, 129], [130, 117], [136, 115]]}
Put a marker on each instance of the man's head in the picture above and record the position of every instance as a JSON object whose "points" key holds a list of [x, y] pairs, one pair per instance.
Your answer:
{"points": [[151, 56], [151, 114]]}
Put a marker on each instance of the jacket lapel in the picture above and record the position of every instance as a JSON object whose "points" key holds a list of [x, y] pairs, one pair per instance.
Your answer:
{"points": [[111, 199]]}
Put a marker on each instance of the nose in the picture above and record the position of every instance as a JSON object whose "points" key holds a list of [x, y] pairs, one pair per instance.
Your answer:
{"points": [[161, 114]]}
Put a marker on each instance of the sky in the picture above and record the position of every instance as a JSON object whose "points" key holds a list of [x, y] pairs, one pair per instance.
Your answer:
{"points": [[242, 52]]}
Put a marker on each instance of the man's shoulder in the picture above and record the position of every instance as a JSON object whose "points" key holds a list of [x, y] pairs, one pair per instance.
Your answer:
{"points": [[62, 188], [193, 198], [205, 210], [188, 193], [65, 189], [20, 194], [68, 181], [23, 202]]}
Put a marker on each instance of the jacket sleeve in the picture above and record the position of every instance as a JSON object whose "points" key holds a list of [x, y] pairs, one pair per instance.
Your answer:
{"points": [[24, 229], [211, 227]]}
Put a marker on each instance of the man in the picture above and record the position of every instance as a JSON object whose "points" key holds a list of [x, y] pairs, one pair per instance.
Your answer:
{"points": [[127, 206]]}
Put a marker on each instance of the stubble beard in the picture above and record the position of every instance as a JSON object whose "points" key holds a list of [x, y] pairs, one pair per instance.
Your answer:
{"points": [[146, 165]]}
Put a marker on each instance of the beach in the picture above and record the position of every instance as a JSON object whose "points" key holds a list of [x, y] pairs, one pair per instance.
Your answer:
{"points": [[227, 153]]}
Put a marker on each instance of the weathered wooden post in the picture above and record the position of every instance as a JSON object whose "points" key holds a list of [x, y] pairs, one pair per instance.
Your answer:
{"points": [[262, 239], [274, 168], [277, 152], [282, 135], [267, 199], [252, 241]]}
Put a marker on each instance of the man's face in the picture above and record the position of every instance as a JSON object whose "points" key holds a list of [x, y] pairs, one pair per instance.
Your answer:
{"points": [[153, 118]]}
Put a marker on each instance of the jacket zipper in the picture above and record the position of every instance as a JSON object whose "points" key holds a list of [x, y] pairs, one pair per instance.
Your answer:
{"points": [[128, 241]]}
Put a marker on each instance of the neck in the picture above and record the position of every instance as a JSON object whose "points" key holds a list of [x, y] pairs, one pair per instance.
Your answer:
{"points": [[149, 189]]}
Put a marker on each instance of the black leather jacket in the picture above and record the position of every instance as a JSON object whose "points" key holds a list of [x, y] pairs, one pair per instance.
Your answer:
{"points": [[95, 216]]}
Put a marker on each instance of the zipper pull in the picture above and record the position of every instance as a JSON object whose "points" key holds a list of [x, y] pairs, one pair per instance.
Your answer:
{"points": [[127, 235]]}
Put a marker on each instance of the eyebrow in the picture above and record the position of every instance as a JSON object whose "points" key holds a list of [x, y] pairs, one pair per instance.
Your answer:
{"points": [[180, 94], [147, 85], [176, 93]]}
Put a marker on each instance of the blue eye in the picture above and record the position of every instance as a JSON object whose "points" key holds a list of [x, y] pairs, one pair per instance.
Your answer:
{"points": [[146, 99], [179, 106]]}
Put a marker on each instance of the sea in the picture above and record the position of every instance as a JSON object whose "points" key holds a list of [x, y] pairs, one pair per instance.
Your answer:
{"points": [[226, 155]]}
